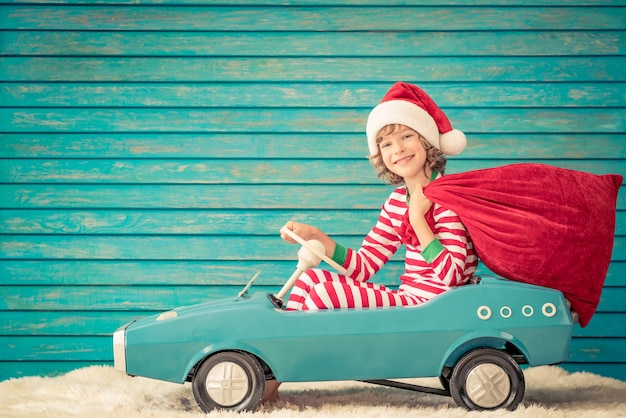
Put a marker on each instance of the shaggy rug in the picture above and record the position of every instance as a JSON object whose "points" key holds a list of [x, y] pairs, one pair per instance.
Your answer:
{"points": [[105, 392]]}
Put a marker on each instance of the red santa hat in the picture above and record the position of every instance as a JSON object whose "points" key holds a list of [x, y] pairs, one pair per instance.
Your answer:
{"points": [[409, 105]]}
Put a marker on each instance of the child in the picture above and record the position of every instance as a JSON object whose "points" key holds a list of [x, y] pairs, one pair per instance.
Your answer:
{"points": [[407, 136]]}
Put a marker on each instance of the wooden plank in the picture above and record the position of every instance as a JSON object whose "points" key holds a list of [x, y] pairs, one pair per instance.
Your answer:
{"points": [[294, 171], [112, 298], [484, 146], [191, 222], [612, 370], [612, 300], [187, 171], [310, 18], [163, 272], [308, 95], [332, 2], [156, 298], [543, 146], [234, 69], [605, 325], [103, 323], [57, 348], [194, 197], [393, 44], [292, 197], [58, 324], [181, 222], [597, 350], [117, 247], [267, 120], [616, 275]]}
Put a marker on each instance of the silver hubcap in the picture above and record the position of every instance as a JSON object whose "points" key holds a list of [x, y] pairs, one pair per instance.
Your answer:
{"points": [[488, 385], [227, 383]]}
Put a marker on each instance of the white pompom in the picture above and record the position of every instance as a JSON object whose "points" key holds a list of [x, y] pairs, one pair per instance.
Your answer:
{"points": [[453, 142]]}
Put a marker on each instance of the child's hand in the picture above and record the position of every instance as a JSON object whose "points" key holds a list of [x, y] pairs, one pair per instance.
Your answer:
{"points": [[308, 232], [419, 203], [418, 207], [304, 231]]}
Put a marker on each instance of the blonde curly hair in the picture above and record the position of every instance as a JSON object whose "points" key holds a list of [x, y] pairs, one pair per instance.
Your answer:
{"points": [[435, 159]]}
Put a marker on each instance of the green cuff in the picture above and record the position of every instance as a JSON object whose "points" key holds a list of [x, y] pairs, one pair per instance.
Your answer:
{"points": [[432, 250], [340, 254]]}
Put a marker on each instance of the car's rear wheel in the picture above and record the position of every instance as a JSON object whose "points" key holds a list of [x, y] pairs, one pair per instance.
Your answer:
{"points": [[229, 380], [487, 379]]}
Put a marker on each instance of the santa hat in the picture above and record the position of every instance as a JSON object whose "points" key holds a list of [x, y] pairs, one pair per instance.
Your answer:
{"points": [[408, 105]]}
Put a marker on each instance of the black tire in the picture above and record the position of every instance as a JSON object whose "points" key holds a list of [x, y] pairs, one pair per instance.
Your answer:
{"points": [[486, 379], [232, 381]]}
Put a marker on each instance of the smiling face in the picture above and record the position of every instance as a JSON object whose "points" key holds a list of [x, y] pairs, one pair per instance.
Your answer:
{"points": [[403, 153]]}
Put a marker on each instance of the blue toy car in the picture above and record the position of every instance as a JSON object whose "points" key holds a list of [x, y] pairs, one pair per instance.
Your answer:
{"points": [[473, 337]]}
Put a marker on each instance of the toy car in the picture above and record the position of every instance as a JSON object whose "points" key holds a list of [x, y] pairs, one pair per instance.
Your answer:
{"points": [[473, 337]]}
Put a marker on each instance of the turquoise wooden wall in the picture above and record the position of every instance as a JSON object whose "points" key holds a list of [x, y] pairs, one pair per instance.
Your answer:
{"points": [[150, 150]]}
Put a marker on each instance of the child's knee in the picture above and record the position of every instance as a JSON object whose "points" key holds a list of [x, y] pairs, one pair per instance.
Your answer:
{"points": [[304, 281], [311, 277], [319, 297]]}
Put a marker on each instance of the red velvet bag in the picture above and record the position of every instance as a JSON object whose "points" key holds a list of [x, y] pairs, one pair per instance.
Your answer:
{"points": [[538, 224]]}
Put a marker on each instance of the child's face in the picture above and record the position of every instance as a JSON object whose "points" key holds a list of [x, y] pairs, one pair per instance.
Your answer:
{"points": [[403, 153]]}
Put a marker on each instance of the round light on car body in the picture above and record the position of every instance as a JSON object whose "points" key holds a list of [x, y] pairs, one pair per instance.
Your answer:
{"points": [[484, 312], [528, 311], [549, 309], [506, 312]]}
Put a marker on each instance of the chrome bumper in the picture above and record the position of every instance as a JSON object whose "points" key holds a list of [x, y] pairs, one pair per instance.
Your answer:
{"points": [[119, 348]]}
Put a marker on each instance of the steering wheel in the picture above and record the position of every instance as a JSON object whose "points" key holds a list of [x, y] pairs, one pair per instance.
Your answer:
{"points": [[309, 256], [315, 249]]}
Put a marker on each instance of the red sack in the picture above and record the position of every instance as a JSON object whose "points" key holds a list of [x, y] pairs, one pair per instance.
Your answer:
{"points": [[538, 224]]}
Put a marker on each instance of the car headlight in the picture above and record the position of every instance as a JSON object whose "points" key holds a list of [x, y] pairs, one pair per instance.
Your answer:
{"points": [[119, 348]]}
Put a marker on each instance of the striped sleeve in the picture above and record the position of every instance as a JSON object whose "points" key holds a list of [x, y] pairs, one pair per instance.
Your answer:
{"points": [[380, 244]]}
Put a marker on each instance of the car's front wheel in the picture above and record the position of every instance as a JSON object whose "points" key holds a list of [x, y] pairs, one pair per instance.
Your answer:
{"points": [[487, 379], [229, 380]]}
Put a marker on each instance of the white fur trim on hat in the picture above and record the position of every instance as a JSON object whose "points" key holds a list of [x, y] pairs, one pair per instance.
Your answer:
{"points": [[404, 113]]}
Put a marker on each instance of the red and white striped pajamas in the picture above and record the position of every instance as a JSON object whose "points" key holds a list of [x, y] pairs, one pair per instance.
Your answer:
{"points": [[446, 262]]}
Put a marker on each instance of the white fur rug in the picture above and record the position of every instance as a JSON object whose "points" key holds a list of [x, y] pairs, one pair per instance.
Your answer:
{"points": [[104, 392]]}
